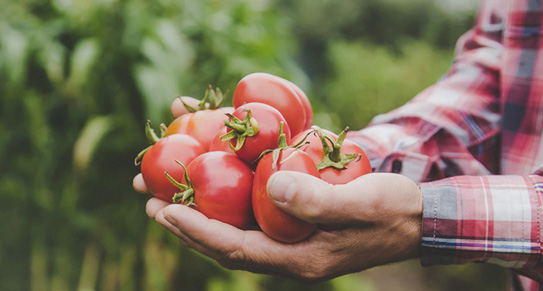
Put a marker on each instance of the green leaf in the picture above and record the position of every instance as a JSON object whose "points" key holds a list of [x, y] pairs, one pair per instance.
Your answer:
{"points": [[83, 59], [89, 140], [14, 54]]}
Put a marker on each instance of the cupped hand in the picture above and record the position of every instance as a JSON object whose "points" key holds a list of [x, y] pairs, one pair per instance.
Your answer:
{"points": [[371, 221]]}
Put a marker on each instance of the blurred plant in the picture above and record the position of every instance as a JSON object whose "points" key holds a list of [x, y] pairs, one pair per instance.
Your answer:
{"points": [[79, 79], [370, 79]]}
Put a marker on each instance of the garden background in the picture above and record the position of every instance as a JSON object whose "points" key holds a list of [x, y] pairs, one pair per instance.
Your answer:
{"points": [[78, 80]]}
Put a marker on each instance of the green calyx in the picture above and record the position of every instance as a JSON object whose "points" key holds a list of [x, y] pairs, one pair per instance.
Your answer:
{"points": [[333, 157], [241, 129], [212, 100], [281, 145], [186, 195], [152, 137]]}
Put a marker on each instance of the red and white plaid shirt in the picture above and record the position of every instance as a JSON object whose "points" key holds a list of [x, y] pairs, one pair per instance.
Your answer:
{"points": [[474, 141]]}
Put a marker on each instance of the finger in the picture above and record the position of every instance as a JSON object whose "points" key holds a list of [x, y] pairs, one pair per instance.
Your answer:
{"points": [[230, 246], [178, 108], [212, 234], [184, 239], [154, 205], [316, 201], [139, 185]]}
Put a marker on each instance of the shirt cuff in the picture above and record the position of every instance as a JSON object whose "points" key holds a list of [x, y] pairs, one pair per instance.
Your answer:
{"points": [[494, 219]]}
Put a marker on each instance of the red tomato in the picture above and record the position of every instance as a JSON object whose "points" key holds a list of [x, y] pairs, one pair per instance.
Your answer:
{"points": [[218, 145], [202, 125], [161, 157], [266, 135], [221, 188], [305, 101], [276, 223], [279, 93], [352, 169], [312, 143]]}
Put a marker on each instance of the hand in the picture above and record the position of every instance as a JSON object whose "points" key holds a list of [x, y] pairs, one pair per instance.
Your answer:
{"points": [[371, 221]]}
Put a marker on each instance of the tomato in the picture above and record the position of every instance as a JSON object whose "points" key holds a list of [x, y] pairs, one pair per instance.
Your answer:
{"points": [[312, 143], [279, 93], [218, 145], [202, 121], [252, 134], [276, 223], [202, 125], [340, 162], [161, 156], [218, 184]]}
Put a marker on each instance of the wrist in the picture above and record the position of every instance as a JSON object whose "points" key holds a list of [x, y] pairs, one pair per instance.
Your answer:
{"points": [[400, 208], [416, 224]]}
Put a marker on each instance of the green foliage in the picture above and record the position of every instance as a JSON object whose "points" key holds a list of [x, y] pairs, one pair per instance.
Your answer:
{"points": [[79, 79], [370, 79]]}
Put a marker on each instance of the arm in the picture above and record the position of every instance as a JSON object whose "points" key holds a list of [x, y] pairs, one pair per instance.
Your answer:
{"points": [[452, 127]]}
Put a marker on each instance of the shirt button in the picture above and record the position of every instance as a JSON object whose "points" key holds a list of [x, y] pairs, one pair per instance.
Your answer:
{"points": [[396, 166]]}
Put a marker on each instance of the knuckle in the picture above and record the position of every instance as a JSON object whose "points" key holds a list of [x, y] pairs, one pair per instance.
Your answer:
{"points": [[235, 260], [312, 275], [314, 270]]}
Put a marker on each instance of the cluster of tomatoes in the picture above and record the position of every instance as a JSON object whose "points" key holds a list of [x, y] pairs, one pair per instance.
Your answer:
{"points": [[218, 159]]}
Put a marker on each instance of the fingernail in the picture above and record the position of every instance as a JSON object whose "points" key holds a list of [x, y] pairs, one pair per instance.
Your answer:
{"points": [[282, 188]]}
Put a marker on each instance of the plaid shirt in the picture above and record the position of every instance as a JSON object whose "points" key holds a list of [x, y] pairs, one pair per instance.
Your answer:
{"points": [[474, 142]]}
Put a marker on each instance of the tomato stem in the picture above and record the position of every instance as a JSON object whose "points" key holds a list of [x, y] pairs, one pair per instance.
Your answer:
{"points": [[333, 157], [186, 196], [282, 137], [188, 107], [241, 129], [150, 133], [163, 130], [211, 100], [139, 157], [281, 145], [152, 137]]}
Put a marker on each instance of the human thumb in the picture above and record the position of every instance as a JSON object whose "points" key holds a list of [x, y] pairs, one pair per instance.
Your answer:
{"points": [[300, 194]]}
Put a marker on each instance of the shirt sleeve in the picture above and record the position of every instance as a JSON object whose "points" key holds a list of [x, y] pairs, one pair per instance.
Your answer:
{"points": [[449, 134], [451, 128], [495, 219]]}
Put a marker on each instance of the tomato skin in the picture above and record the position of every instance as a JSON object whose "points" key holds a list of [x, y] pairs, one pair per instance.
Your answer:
{"points": [[202, 124], [218, 145], [354, 169], [276, 223], [305, 102], [161, 158], [269, 120], [222, 188], [279, 93]]}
